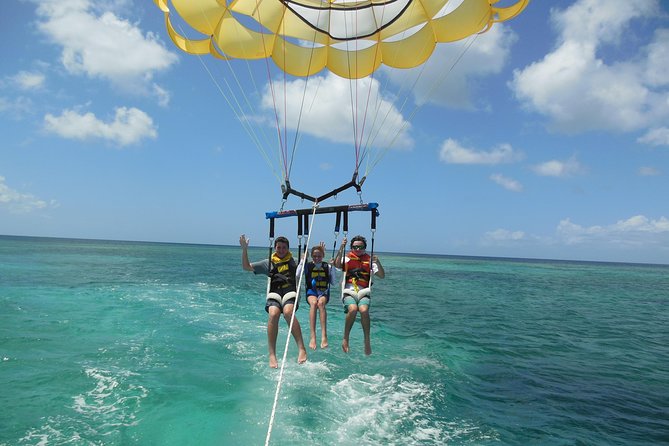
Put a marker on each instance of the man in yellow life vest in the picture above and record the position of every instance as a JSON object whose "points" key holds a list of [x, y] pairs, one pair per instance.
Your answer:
{"points": [[358, 270], [282, 271]]}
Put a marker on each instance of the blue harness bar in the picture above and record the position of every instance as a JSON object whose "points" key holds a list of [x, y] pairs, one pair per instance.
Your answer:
{"points": [[325, 210]]}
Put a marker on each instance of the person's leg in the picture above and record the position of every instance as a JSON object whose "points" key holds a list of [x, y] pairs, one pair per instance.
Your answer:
{"points": [[348, 324], [272, 332], [296, 331], [312, 320], [365, 322], [322, 301]]}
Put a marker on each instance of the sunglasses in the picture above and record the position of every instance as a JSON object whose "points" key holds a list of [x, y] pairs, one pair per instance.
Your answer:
{"points": [[358, 247]]}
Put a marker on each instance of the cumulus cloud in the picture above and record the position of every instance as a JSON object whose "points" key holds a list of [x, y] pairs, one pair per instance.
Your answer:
{"points": [[29, 80], [580, 90], [507, 183], [647, 171], [559, 169], [503, 235], [322, 108], [637, 230], [102, 45], [20, 202], [656, 137], [17, 107], [162, 95], [452, 74], [129, 126], [452, 152]]}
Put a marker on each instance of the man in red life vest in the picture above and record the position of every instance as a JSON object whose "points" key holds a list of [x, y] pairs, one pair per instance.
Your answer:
{"points": [[283, 273], [358, 270]]}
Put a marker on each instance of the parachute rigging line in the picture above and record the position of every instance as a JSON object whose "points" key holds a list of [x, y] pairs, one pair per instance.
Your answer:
{"points": [[255, 29], [234, 104], [290, 330], [435, 85]]}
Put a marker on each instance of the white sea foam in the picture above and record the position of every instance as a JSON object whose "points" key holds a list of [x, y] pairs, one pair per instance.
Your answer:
{"points": [[114, 397], [376, 409]]}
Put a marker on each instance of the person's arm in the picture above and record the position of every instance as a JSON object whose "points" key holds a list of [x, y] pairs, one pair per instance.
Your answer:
{"points": [[300, 268], [244, 243], [333, 275], [339, 258], [380, 272]]}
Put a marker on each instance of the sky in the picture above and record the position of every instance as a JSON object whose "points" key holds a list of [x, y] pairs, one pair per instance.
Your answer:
{"points": [[546, 137]]}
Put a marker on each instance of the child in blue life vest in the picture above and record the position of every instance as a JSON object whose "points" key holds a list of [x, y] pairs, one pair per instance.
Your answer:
{"points": [[319, 276], [359, 268], [283, 273]]}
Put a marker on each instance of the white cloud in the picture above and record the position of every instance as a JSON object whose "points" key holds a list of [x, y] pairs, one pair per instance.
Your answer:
{"points": [[579, 90], [656, 137], [452, 152], [507, 183], [451, 74], [129, 126], [560, 169], [104, 45], [29, 81], [17, 107], [637, 230], [19, 202], [648, 171], [503, 235], [162, 95], [322, 107]]}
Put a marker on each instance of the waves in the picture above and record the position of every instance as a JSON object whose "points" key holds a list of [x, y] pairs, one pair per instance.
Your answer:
{"points": [[167, 345]]}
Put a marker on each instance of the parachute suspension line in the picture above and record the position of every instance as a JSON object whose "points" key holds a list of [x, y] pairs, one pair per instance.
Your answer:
{"points": [[302, 105], [290, 330], [374, 130], [237, 109], [279, 135], [435, 85], [404, 92], [288, 163], [353, 92], [270, 81]]}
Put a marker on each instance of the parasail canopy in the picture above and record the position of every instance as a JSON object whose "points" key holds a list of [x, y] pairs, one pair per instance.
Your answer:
{"points": [[351, 38]]}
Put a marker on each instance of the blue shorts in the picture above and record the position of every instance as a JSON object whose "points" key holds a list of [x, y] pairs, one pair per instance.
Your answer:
{"points": [[318, 295]]}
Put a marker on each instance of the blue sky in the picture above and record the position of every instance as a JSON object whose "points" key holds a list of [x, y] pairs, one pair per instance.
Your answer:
{"points": [[549, 138]]}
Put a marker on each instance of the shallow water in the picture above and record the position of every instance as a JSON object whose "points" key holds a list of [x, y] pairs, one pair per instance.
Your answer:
{"points": [[145, 343]]}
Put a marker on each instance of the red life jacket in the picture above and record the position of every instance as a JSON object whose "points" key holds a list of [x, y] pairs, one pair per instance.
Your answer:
{"points": [[358, 269]]}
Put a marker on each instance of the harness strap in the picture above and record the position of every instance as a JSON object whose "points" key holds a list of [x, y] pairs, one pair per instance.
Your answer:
{"points": [[285, 350]]}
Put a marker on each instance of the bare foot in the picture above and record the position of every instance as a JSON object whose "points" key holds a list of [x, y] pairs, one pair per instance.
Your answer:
{"points": [[324, 343], [302, 356], [273, 362], [312, 343], [344, 345], [368, 348]]}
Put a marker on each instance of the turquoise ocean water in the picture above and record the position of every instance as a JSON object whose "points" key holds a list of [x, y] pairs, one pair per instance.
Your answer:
{"points": [[122, 343]]}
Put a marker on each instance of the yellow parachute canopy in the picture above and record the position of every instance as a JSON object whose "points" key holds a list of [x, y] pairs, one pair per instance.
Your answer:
{"points": [[351, 38]]}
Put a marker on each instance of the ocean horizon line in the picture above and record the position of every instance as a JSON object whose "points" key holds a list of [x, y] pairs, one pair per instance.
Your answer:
{"points": [[392, 253]]}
